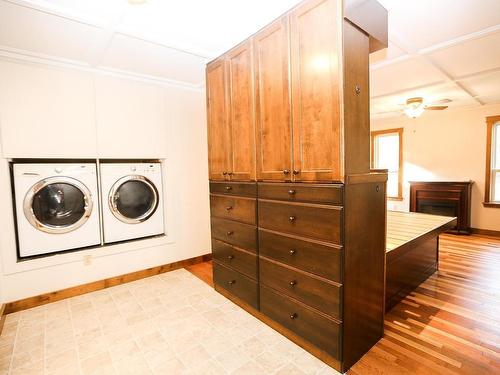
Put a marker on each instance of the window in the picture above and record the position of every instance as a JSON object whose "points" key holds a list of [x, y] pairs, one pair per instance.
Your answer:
{"points": [[492, 189], [387, 153]]}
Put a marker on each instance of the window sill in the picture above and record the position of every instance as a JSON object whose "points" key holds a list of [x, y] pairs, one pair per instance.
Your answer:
{"points": [[399, 199], [491, 205]]}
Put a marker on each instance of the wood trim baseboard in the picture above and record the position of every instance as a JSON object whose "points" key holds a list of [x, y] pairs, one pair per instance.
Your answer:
{"points": [[43, 299], [485, 232], [2, 317]]}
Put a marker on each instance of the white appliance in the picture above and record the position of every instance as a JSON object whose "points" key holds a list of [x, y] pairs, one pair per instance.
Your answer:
{"points": [[57, 207], [132, 200]]}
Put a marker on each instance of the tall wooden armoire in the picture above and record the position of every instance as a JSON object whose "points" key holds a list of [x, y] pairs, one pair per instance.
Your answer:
{"points": [[298, 219]]}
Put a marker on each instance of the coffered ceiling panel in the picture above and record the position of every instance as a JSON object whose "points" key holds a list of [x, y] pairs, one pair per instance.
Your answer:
{"points": [[424, 23], [139, 56], [487, 85], [404, 75], [470, 57]]}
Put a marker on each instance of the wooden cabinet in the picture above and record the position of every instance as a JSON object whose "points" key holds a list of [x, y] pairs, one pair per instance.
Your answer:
{"points": [[315, 87], [241, 113], [273, 120], [218, 133]]}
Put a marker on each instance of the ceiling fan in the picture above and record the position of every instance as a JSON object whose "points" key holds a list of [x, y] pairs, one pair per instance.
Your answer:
{"points": [[414, 107]]}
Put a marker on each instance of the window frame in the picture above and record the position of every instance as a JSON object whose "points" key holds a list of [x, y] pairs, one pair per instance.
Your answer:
{"points": [[491, 122], [373, 135]]}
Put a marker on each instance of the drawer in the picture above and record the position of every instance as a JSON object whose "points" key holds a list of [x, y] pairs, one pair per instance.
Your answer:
{"points": [[311, 290], [244, 189], [318, 258], [240, 260], [234, 208], [237, 284], [312, 193], [312, 326], [314, 221], [235, 233]]}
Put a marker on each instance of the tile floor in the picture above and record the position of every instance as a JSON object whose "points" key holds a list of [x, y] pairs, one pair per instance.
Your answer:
{"points": [[173, 323]]}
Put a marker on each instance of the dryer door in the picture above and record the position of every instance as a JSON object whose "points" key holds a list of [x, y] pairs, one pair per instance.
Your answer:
{"points": [[133, 199], [58, 205]]}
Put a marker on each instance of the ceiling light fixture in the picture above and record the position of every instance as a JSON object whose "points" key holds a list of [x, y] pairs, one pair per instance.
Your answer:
{"points": [[414, 110]]}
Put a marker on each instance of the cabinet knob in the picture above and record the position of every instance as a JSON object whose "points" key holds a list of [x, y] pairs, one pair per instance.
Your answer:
{"points": [[229, 208], [292, 252], [291, 219], [229, 232], [224, 173], [228, 188], [296, 171], [231, 282], [230, 173], [293, 283], [291, 192], [293, 316], [230, 257], [286, 171]]}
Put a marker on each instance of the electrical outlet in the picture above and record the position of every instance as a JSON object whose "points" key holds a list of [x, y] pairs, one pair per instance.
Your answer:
{"points": [[87, 260]]}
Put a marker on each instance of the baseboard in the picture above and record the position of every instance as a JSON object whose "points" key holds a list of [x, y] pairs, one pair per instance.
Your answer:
{"points": [[485, 232], [2, 316], [42, 299]]}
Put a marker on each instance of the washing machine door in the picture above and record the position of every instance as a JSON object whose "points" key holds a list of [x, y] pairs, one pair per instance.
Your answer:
{"points": [[58, 205], [133, 199]]}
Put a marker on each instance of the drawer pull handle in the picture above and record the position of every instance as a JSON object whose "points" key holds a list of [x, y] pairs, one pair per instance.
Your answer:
{"points": [[292, 219], [294, 316], [229, 232], [291, 192], [293, 283], [296, 171], [229, 188], [230, 173], [229, 208], [292, 252], [230, 257], [231, 282], [286, 171], [224, 173]]}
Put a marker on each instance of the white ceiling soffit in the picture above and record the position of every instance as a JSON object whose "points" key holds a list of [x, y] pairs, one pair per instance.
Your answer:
{"points": [[170, 40], [438, 49]]}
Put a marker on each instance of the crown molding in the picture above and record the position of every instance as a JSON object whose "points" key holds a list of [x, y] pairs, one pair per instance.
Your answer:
{"points": [[23, 56]]}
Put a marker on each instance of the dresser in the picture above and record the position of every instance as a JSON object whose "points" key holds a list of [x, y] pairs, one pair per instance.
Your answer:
{"points": [[298, 220]]}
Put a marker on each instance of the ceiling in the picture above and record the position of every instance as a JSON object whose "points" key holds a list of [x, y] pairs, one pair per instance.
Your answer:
{"points": [[437, 48]]}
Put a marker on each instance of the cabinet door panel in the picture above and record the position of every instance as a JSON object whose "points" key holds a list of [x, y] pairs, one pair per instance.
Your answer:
{"points": [[218, 134], [242, 112], [271, 48], [315, 91]]}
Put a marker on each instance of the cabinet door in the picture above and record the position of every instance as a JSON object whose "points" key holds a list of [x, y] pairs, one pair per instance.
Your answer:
{"points": [[241, 112], [315, 54], [218, 134], [273, 126]]}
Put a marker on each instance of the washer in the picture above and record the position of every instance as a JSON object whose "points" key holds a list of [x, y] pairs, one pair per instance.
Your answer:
{"points": [[132, 200], [57, 207]]}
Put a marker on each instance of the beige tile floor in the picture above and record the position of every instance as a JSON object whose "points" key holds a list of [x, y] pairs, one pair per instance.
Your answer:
{"points": [[168, 324]]}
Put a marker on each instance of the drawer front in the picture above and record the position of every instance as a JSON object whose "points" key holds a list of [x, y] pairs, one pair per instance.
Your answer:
{"points": [[241, 261], [312, 291], [237, 284], [322, 194], [313, 221], [243, 189], [319, 259], [320, 331], [234, 208], [234, 233]]}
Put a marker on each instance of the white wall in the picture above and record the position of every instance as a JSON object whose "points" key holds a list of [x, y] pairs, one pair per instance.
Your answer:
{"points": [[149, 121], [446, 146]]}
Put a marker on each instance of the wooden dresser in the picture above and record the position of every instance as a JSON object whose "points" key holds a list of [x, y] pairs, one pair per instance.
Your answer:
{"points": [[298, 219]]}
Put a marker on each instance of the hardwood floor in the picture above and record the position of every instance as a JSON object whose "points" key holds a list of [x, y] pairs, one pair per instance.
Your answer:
{"points": [[449, 325]]}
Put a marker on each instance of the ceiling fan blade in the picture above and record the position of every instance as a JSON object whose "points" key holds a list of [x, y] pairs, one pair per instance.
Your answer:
{"points": [[436, 107]]}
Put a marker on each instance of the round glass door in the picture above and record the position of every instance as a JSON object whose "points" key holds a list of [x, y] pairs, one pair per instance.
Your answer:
{"points": [[58, 205], [133, 199]]}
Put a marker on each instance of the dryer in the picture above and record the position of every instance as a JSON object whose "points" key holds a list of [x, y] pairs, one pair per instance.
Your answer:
{"points": [[132, 200], [57, 207]]}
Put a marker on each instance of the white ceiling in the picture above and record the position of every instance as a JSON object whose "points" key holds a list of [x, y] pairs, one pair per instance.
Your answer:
{"points": [[437, 48]]}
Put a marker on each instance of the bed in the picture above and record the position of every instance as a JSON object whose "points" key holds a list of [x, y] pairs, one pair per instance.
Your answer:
{"points": [[412, 251]]}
